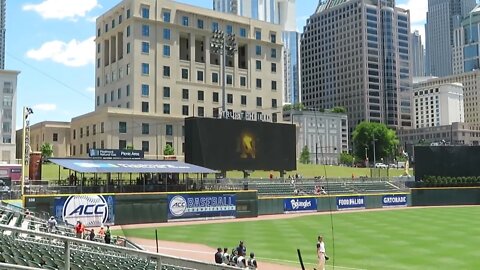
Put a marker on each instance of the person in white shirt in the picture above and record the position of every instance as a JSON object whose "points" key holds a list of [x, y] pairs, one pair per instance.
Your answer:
{"points": [[226, 256], [51, 223], [321, 253], [241, 262]]}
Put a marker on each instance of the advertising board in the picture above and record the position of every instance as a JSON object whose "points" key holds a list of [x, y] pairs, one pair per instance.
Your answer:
{"points": [[350, 202], [91, 210], [299, 205], [399, 200], [190, 206]]}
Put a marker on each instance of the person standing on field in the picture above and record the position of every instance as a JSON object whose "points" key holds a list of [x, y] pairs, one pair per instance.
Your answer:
{"points": [[321, 253]]}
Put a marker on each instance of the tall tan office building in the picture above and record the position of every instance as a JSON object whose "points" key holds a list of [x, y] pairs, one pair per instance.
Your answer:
{"points": [[154, 67]]}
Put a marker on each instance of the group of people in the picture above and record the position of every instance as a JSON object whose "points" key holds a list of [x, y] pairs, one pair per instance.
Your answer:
{"points": [[237, 257], [81, 233]]}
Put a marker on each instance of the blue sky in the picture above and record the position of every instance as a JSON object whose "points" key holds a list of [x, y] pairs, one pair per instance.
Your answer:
{"points": [[51, 43]]}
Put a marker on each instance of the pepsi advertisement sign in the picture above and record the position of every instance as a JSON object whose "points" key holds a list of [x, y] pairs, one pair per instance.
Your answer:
{"points": [[350, 202], [183, 206], [394, 200], [91, 210], [299, 205]]}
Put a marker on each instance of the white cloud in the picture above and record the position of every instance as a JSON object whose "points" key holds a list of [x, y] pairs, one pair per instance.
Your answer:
{"points": [[73, 54], [44, 107], [418, 12], [90, 89], [62, 9]]}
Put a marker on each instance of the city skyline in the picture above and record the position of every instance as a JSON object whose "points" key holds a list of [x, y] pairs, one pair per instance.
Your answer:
{"points": [[56, 55]]}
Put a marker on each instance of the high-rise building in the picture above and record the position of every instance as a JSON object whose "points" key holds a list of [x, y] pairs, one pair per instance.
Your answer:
{"points": [[280, 12], [418, 55], [443, 17], [8, 95], [2, 33], [466, 56], [155, 66], [355, 54]]}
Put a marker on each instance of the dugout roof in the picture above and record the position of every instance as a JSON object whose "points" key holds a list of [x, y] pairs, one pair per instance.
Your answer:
{"points": [[128, 166]]}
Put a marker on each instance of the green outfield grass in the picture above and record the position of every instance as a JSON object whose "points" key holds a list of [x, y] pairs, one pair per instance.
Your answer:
{"points": [[412, 238], [50, 171]]}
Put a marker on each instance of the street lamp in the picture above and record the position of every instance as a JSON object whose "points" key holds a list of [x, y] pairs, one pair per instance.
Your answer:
{"points": [[223, 45], [374, 158], [25, 145]]}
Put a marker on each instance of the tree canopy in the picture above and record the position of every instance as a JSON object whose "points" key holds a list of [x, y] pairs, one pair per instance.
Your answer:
{"points": [[168, 150], [338, 109], [47, 150], [366, 133], [305, 155]]}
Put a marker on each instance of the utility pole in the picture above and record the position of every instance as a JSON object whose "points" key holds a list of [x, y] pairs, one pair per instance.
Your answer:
{"points": [[374, 158]]}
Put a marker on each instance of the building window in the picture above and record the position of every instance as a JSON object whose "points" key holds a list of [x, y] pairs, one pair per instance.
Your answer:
{"points": [[128, 90], [145, 90], [184, 73], [87, 147], [166, 71], [102, 127], [185, 94], [106, 27], [145, 69], [258, 83], [145, 128], [122, 144], [81, 149], [102, 144], [55, 137], [185, 21], [200, 95], [166, 16], [94, 129], [229, 79], [274, 103], [258, 34], [243, 81], [229, 98], [145, 47], [120, 19], [200, 24], [243, 100], [185, 110], [122, 127], [112, 95], [199, 75], [128, 13], [145, 12], [166, 92], [119, 93], [98, 101], [259, 102], [127, 105], [258, 50], [166, 50], [201, 111], [215, 97], [166, 108], [145, 106], [273, 53], [229, 29], [274, 68], [258, 64], [105, 98], [214, 26], [128, 48], [274, 85], [243, 32], [145, 146], [214, 77], [166, 34], [169, 130], [274, 118], [273, 38], [145, 30]]}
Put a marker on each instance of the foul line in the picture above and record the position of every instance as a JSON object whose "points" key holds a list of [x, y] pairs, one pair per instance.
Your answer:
{"points": [[267, 259]]}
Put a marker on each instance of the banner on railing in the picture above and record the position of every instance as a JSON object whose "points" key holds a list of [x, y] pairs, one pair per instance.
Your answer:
{"points": [[292, 205], [350, 202], [399, 200], [183, 206], [91, 210]]}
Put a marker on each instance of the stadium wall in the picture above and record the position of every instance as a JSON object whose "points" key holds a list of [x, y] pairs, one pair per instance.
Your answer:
{"points": [[445, 196]]}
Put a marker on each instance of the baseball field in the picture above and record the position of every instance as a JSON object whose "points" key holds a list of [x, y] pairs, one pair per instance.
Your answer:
{"points": [[409, 238]]}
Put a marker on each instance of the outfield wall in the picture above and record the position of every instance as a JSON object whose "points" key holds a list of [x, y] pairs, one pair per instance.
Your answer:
{"points": [[445, 196]]}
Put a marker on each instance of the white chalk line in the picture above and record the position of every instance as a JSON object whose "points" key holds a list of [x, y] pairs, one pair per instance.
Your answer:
{"points": [[268, 259]]}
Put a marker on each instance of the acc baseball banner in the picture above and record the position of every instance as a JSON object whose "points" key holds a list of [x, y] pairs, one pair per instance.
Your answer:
{"points": [[91, 210], [299, 204], [201, 206], [394, 200], [350, 202]]}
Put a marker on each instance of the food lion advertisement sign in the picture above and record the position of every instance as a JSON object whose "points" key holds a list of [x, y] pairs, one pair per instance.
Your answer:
{"points": [[399, 200], [350, 202], [292, 205], [91, 210], [190, 206]]}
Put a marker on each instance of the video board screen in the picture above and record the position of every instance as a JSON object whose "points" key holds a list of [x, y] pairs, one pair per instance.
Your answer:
{"points": [[226, 144]]}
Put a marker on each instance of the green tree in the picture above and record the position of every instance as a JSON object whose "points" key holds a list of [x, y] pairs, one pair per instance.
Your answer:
{"points": [[364, 135], [346, 158], [47, 150], [168, 150], [129, 147], [305, 155], [338, 109]]}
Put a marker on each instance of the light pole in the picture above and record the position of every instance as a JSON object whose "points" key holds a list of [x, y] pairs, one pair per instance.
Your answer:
{"points": [[223, 45], [374, 158], [25, 143]]}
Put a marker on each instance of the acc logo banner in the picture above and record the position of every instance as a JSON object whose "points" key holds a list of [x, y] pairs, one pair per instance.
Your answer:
{"points": [[177, 206], [91, 210]]}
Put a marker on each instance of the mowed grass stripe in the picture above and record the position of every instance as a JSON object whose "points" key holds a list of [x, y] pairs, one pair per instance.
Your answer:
{"points": [[413, 238]]}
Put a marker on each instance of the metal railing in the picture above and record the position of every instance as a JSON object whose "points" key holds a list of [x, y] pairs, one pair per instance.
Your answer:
{"points": [[160, 259], [13, 266]]}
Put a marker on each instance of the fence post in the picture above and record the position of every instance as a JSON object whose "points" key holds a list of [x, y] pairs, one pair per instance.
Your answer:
{"points": [[67, 255]]}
